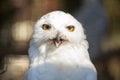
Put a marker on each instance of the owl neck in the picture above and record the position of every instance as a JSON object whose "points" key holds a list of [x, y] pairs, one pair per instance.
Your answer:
{"points": [[72, 53]]}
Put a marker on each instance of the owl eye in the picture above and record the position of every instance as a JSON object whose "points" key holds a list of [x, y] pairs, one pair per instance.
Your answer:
{"points": [[45, 27], [70, 28]]}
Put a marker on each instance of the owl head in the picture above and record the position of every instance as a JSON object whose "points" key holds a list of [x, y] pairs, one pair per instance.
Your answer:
{"points": [[58, 28]]}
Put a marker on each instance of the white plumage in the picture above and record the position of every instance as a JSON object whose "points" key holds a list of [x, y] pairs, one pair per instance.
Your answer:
{"points": [[59, 50]]}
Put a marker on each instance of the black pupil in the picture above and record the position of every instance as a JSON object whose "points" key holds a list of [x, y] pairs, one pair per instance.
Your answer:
{"points": [[46, 26], [69, 27]]}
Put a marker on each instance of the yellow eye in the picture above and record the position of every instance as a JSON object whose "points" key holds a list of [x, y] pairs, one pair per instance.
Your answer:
{"points": [[70, 28], [45, 27]]}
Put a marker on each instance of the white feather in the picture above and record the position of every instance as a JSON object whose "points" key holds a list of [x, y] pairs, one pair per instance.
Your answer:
{"points": [[69, 61]]}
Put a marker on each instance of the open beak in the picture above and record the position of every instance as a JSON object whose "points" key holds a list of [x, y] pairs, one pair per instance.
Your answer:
{"points": [[57, 41]]}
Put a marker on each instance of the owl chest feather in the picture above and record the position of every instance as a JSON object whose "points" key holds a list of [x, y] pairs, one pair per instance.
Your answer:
{"points": [[67, 64]]}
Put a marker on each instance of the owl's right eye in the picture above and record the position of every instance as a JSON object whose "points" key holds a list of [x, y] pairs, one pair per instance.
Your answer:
{"points": [[45, 27]]}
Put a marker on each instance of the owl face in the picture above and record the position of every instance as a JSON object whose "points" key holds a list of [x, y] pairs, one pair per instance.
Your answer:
{"points": [[58, 28]]}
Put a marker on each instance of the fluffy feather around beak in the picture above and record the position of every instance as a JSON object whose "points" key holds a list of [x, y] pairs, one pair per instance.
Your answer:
{"points": [[57, 41]]}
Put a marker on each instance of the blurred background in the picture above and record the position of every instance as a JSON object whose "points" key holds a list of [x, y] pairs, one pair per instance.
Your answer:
{"points": [[100, 18]]}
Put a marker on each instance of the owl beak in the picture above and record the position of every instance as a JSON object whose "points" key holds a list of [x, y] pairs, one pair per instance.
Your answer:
{"points": [[57, 41]]}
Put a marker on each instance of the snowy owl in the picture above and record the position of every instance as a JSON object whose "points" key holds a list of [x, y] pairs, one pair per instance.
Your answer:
{"points": [[59, 50]]}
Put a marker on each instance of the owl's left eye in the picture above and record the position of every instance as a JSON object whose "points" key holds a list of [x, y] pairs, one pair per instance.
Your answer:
{"points": [[70, 28], [46, 27]]}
